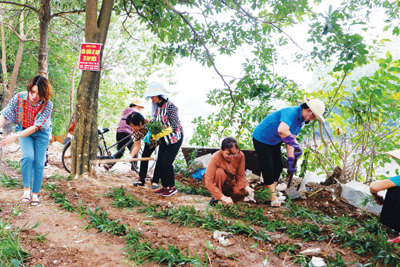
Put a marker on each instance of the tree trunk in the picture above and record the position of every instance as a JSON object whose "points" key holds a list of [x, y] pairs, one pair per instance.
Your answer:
{"points": [[14, 75], [9, 90], [84, 145], [4, 81], [45, 16]]}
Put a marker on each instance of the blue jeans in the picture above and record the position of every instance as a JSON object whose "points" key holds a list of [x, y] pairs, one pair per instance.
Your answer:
{"points": [[33, 156]]}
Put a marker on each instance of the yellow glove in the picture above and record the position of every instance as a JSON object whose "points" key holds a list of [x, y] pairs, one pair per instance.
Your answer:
{"points": [[165, 132]]}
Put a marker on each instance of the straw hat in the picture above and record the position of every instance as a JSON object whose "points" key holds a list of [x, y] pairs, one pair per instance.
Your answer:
{"points": [[137, 102], [155, 89], [317, 107]]}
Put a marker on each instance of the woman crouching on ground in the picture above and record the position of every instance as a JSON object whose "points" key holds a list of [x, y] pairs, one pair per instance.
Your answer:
{"points": [[31, 111], [225, 174]]}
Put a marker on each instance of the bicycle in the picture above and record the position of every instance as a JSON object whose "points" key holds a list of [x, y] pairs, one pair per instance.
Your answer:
{"points": [[104, 151]]}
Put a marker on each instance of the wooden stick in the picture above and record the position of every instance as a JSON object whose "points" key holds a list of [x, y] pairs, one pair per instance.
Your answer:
{"points": [[102, 161]]}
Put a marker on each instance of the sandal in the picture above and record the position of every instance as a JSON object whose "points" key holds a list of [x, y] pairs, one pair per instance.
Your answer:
{"points": [[35, 200], [26, 197], [139, 183], [276, 203]]}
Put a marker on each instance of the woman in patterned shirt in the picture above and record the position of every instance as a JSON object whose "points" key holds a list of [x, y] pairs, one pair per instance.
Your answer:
{"points": [[31, 111], [165, 112]]}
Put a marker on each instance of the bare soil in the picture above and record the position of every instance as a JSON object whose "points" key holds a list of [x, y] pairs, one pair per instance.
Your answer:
{"points": [[67, 243]]}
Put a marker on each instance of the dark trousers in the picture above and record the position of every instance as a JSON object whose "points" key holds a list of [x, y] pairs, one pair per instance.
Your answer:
{"points": [[270, 160], [390, 214], [164, 166], [120, 136], [147, 151]]}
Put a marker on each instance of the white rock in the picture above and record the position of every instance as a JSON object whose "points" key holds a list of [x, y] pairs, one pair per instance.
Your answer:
{"points": [[310, 177], [217, 234], [355, 193], [311, 251], [281, 187], [225, 242], [202, 162], [317, 262]]}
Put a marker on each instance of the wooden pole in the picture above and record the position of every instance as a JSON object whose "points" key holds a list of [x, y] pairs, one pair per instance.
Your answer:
{"points": [[104, 161]]}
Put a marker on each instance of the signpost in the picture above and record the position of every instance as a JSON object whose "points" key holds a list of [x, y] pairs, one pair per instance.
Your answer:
{"points": [[89, 58]]}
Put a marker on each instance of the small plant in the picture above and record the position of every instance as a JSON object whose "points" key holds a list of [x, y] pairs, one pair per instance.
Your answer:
{"points": [[9, 182], [262, 195], [155, 127], [15, 165], [50, 187], [58, 177], [192, 190], [290, 248], [41, 238], [103, 224], [122, 200], [61, 199], [11, 252], [210, 246], [141, 251]]}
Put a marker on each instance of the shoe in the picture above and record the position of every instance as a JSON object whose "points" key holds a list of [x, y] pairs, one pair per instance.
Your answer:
{"points": [[139, 183], [35, 200], [159, 191], [276, 203], [169, 191], [395, 240], [26, 197], [213, 202], [154, 186], [107, 166]]}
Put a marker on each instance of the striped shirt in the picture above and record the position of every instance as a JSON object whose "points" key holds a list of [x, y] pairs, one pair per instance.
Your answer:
{"points": [[167, 114], [20, 111]]}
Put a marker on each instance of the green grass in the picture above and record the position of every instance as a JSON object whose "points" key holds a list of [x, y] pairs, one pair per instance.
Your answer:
{"points": [[11, 252], [192, 190], [60, 199], [9, 182], [15, 165], [141, 251], [59, 177]]}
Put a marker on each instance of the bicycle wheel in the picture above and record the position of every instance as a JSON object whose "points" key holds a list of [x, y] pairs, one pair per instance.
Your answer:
{"points": [[66, 156]]}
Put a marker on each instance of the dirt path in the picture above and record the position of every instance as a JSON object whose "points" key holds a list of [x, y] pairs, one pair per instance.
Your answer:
{"points": [[67, 243]]}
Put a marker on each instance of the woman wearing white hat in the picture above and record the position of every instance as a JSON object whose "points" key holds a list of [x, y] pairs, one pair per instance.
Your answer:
{"points": [[165, 112], [124, 130], [282, 126]]}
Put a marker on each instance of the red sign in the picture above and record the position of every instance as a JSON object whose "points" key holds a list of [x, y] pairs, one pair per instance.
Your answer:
{"points": [[89, 58]]}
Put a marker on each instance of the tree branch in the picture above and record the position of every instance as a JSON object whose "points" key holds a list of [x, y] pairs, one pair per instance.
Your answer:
{"points": [[266, 22], [18, 4], [67, 13], [104, 18], [210, 59]]}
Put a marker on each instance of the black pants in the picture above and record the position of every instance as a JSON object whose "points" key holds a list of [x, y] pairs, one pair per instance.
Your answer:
{"points": [[147, 151], [120, 136], [164, 166], [390, 214], [270, 160]]}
